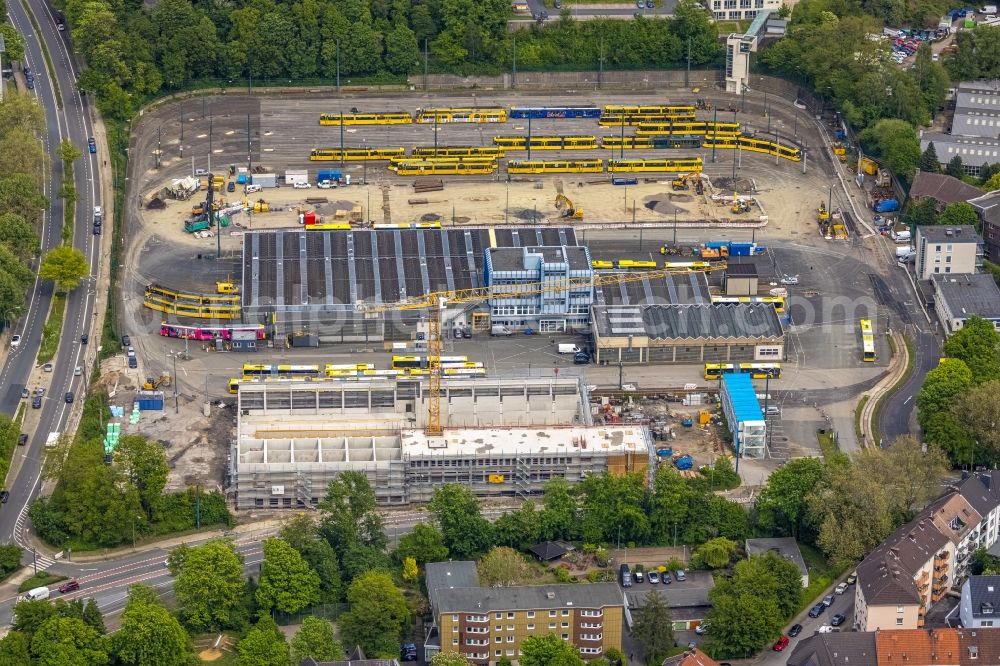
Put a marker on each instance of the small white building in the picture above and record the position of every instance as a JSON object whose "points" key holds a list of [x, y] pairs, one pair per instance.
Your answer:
{"points": [[959, 297], [980, 605], [297, 177]]}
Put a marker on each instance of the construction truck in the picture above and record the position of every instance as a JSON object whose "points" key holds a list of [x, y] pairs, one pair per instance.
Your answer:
{"points": [[840, 150], [681, 182], [822, 213], [226, 287], [261, 206], [195, 224], [153, 383], [565, 206], [739, 205]]}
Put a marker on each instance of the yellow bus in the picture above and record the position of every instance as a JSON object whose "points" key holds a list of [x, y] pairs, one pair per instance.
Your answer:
{"points": [[467, 159], [555, 166], [358, 154], [457, 151], [365, 118], [407, 225], [547, 142], [352, 367], [596, 263], [634, 263], [405, 362], [619, 119], [867, 341], [685, 165], [422, 167], [462, 115], [755, 370], [777, 301], [691, 127], [610, 109], [329, 226], [788, 152], [253, 370]]}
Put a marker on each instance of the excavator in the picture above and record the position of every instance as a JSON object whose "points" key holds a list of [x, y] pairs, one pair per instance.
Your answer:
{"points": [[822, 213], [739, 205], [153, 383], [566, 207], [681, 182]]}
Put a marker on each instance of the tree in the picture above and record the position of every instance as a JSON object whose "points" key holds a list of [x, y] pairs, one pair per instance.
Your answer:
{"points": [[615, 508], [348, 515], [150, 636], [66, 266], [14, 650], [929, 159], [302, 535], [401, 51], [378, 612], [209, 587], [993, 183], [449, 659], [977, 343], [93, 617], [559, 512], [264, 645], [456, 511], [653, 628], [19, 194], [18, 236], [10, 559], [424, 544], [979, 412], [68, 641], [315, 639], [955, 168], [945, 382], [983, 564], [549, 650], [30, 615], [911, 475], [13, 44], [715, 553], [503, 567], [693, 25], [959, 213], [521, 528], [68, 152], [410, 571], [287, 584], [781, 506], [897, 143], [144, 464], [920, 212]]}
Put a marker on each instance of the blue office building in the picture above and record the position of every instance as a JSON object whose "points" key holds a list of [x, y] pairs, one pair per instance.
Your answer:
{"points": [[549, 311], [746, 421]]}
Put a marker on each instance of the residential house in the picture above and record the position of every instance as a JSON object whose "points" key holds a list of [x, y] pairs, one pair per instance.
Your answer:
{"points": [[355, 658], [834, 649], [907, 647], [980, 603], [785, 547], [942, 249], [488, 624], [942, 188], [693, 657]]}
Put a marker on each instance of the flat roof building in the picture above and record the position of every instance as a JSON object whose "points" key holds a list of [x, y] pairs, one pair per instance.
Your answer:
{"points": [[502, 437], [944, 249], [959, 297], [707, 333], [987, 208], [975, 128]]}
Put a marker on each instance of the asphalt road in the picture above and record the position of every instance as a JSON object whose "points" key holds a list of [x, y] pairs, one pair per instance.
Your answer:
{"points": [[71, 121]]}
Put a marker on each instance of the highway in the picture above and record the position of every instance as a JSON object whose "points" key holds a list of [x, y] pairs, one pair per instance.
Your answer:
{"points": [[71, 121]]}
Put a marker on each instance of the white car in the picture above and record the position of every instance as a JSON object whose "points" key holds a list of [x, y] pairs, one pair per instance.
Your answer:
{"points": [[98, 211], [324, 184], [841, 588], [790, 279], [301, 186], [253, 188], [826, 629], [15, 341]]}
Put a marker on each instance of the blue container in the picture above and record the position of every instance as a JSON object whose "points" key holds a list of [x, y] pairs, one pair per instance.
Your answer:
{"points": [[887, 206], [665, 453], [150, 401], [241, 179], [741, 249], [684, 463], [717, 245], [624, 181]]}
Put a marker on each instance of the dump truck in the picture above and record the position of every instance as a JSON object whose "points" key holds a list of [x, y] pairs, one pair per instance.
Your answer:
{"points": [[195, 224]]}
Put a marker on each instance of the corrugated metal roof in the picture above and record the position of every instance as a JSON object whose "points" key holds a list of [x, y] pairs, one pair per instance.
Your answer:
{"points": [[742, 394]]}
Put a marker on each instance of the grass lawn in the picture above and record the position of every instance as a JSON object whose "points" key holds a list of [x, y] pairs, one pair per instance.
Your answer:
{"points": [[41, 579], [821, 575], [827, 444], [52, 328]]}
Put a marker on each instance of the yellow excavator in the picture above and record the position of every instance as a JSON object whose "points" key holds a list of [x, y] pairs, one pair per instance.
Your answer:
{"points": [[565, 206], [153, 383], [822, 213], [739, 205], [681, 182]]}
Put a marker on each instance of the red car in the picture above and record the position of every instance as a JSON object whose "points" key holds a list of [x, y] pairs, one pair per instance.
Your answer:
{"points": [[781, 644], [72, 585]]}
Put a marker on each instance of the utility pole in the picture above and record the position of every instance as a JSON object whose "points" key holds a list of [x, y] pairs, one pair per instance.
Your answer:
{"points": [[687, 72], [715, 119], [174, 356], [158, 151], [338, 69], [249, 152], [621, 150], [210, 128], [528, 145], [425, 64], [513, 76], [180, 110], [436, 135], [341, 138], [249, 72]]}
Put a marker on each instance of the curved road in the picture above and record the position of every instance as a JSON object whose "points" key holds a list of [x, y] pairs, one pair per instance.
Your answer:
{"points": [[70, 121]]}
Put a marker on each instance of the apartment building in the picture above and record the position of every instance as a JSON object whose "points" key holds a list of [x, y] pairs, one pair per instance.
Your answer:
{"points": [[741, 10], [921, 561], [912, 647], [943, 250], [489, 624], [980, 603]]}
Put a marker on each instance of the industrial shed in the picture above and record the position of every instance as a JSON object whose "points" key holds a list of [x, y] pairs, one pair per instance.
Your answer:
{"points": [[701, 333]]}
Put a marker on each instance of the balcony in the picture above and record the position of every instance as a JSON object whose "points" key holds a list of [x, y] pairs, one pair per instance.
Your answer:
{"points": [[923, 578], [940, 580], [941, 557]]}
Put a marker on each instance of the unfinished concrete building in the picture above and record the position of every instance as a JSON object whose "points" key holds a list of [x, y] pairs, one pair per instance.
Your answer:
{"points": [[503, 437]]}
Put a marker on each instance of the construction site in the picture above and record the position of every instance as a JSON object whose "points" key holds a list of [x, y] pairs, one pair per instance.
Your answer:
{"points": [[502, 438]]}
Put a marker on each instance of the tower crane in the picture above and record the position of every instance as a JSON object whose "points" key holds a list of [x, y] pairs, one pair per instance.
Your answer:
{"points": [[435, 302]]}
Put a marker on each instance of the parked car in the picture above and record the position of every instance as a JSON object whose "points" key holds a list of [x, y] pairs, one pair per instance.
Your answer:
{"points": [[132, 362], [22, 439], [36, 402], [77, 371], [838, 619], [126, 341], [701, 628], [47, 367], [827, 600], [408, 652], [665, 577], [4, 496], [231, 187], [817, 610], [826, 629], [680, 575], [301, 186], [69, 586], [30, 81], [841, 588], [650, 4], [853, 578], [790, 279], [795, 630], [781, 644], [654, 578], [97, 230]]}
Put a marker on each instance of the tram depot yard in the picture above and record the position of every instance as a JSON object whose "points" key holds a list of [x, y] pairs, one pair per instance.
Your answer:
{"points": [[521, 406]]}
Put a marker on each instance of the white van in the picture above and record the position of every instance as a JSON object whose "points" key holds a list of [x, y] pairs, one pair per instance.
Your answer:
{"points": [[253, 188], [37, 594], [569, 349]]}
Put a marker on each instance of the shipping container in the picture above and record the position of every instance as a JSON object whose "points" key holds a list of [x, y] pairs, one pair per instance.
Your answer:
{"points": [[150, 401]]}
